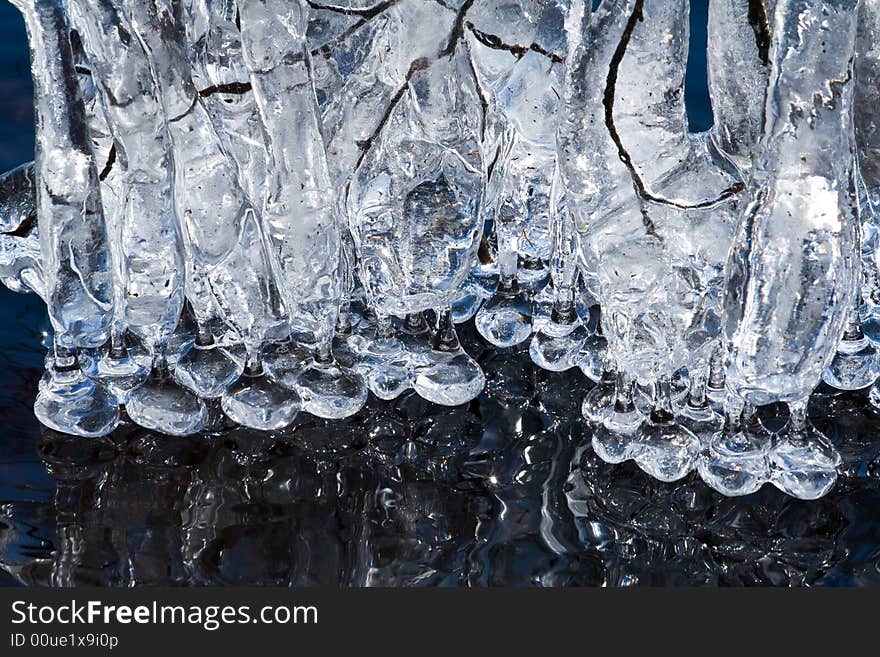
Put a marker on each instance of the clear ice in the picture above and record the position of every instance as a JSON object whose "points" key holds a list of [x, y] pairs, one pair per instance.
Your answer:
{"points": [[279, 205], [77, 264]]}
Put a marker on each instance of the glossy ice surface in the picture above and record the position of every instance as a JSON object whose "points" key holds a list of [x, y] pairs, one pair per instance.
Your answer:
{"points": [[427, 114], [503, 491]]}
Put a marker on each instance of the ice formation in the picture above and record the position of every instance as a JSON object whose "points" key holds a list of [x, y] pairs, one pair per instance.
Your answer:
{"points": [[261, 207]]}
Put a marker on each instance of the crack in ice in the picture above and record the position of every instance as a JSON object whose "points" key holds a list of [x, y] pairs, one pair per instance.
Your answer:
{"points": [[608, 104], [495, 42]]}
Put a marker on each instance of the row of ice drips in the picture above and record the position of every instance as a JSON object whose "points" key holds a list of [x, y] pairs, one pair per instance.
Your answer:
{"points": [[309, 180]]}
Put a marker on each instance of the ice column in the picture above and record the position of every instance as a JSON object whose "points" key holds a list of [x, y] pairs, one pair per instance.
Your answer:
{"points": [[77, 263]]}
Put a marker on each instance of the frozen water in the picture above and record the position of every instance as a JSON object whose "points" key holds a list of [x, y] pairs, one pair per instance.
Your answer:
{"points": [[319, 180], [219, 72], [788, 299], [654, 213], [415, 219], [298, 211], [738, 58], [77, 267], [207, 195], [145, 226], [17, 198]]}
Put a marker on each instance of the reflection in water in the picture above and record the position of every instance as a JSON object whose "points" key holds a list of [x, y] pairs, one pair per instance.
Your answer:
{"points": [[505, 491]]}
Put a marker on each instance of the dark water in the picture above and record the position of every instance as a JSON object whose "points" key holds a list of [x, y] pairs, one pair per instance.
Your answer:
{"points": [[505, 491], [16, 103]]}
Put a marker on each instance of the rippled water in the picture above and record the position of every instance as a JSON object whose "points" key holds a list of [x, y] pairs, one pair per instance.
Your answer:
{"points": [[505, 491]]}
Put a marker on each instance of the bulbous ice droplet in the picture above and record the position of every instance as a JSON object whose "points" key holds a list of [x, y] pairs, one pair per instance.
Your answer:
{"points": [[598, 403], [389, 383], [667, 450], [448, 379], [803, 462], [163, 405], [594, 357], [257, 402], [806, 469], [332, 392], [285, 362], [383, 359], [856, 364], [735, 463], [470, 300], [207, 371], [122, 367], [613, 446], [616, 439], [71, 403], [506, 319], [557, 347]]}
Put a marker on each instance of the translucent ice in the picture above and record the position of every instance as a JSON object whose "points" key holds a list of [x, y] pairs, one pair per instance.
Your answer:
{"points": [[866, 96], [414, 202], [793, 269], [223, 81], [298, 212], [148, 231], [652, 204], [738, 58], [208, 197], [17, 198], [21, 267], [74, 243]]}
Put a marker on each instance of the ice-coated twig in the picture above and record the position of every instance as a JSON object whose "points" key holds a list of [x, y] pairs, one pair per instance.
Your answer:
{"points": [[398, 209], [625, 71], [399, 39], [209, 199], [74, 243], [104, 150], [738, 59], [224, 85], [298, 213], [495, 42], [653, 49], [651, 202], [794, 268], [148, 228], [520, 87]]}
